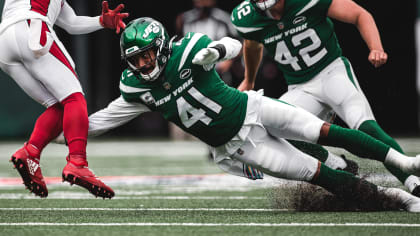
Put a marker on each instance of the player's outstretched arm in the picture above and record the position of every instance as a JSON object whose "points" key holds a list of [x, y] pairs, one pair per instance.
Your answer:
{"points": [[252, 53], [117, 113], [223, 49], [113, 19], [74, 24], [349, 12]]}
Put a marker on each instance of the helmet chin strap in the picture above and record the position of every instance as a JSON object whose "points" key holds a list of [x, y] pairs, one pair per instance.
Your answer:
{"points": [[152, 75]]}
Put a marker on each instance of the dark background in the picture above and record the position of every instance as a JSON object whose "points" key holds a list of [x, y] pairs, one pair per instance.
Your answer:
{"points": [[391, 89]]}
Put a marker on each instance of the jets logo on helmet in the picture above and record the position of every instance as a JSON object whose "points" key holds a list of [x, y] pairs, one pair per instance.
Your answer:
{"points": [[145, 37], [153, 27]]}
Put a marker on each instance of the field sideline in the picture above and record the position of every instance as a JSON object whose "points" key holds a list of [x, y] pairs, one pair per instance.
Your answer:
{"points": [[170, 188]]}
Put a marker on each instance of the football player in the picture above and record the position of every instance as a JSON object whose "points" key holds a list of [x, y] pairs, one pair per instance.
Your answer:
{"points": [[178, 79], [34, 57], [300, 37]]}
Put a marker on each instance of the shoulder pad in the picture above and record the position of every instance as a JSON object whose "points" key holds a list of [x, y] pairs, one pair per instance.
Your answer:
{"points": [[187, 47], [246, 19], [129, 83], [242, 13]]}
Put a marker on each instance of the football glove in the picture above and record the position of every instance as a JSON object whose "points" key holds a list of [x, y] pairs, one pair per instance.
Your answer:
{"points": [[206, 56], [252, 173], [112, 19]]}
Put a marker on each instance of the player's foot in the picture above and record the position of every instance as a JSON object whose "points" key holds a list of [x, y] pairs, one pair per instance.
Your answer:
{"points": [[351, 166], [26, 161], [409, 202], [416, 191], [77, 172], [411, 165]]}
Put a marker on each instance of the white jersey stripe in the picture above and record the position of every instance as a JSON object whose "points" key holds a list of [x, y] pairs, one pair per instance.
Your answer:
{"points": [[189, 47], [129, 89], [309, 5], [207, 102], [247, 29]]}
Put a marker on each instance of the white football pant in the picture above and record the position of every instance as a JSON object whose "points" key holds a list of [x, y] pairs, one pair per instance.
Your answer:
{"points": [[47, 79], [265, 147], [336, 87]]}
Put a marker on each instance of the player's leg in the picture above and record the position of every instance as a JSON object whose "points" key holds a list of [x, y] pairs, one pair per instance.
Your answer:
{"points": [[367, 194], [47, 127], [278, 158], [341, 90], [372, 128], [328, 158], [55, 70], [298, 97], [48, 124], [285, 121]]}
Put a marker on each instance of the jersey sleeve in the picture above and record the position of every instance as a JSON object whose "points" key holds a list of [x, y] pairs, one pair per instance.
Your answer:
{"points": [[324, 5], [201, 42], [129, 87], [117, 113], [192, 43], [74, 24], [316, 8], [247, 21]]}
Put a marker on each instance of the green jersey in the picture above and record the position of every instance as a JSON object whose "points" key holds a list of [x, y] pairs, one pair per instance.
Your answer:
{"points": [[191, 96], [302, 42]]}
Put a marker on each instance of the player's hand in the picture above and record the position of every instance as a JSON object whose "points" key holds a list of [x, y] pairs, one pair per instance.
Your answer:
{"points": [[252, 173], [206, 56], [377, 58], [112, 19]]}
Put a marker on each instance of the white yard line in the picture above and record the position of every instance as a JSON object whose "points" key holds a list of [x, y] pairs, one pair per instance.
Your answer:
{"points": [[217, 224], [116, 148], [144, 209], [88, 196]]}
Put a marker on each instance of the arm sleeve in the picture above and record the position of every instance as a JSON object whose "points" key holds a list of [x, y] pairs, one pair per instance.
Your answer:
{"points": [[321, 8], [117, 113], [232, 47], [74, 24]]}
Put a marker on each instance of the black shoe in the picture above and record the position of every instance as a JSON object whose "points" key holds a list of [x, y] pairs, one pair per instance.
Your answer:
{"points": [[416, 191], [352, 166]]}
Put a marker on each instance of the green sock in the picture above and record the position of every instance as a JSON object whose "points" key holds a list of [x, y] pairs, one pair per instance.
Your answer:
{"points": [[311, 149], [356, 142], [372, 128], [344, 184]]}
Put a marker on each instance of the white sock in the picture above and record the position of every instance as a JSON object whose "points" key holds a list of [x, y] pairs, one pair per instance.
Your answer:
{"points": [[410, 165], [333, 161]]}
